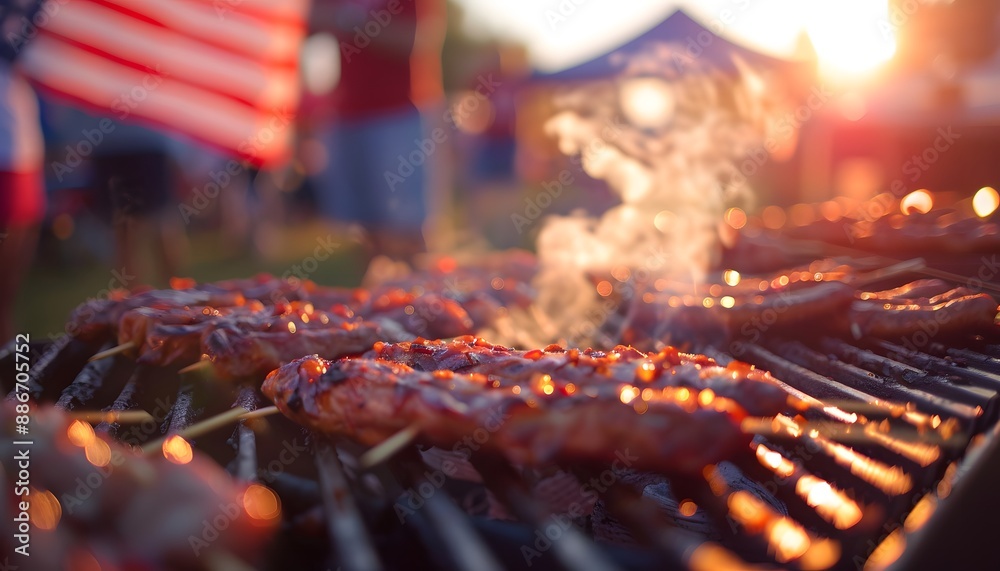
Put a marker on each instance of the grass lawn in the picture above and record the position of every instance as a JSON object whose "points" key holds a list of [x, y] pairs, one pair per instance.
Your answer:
{"points": [[53, 288]]}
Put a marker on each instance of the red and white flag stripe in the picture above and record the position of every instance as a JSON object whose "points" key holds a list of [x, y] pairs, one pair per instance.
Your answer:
{"points": [[222, 71]]}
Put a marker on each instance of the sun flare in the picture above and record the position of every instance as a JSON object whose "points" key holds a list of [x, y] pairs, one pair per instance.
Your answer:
{"points": [[851, 37]]}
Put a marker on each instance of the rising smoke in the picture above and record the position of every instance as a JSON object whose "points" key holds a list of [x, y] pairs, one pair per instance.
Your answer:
{"points": [[673, 164]]}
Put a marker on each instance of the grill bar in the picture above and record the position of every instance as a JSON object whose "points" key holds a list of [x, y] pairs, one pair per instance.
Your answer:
{"points": [[464, 545], [927, 362], [345, 526], [971, 396], [572, 549], [83, 387], [244, 465], [125, 400], [880, 387]]}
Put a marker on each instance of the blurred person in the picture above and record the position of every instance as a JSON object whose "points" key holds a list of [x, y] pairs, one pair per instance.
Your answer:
{"points": [[135, 179], [22, 195], [377, 145]]}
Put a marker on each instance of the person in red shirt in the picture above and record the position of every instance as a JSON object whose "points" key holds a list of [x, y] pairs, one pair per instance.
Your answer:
{"points": [[22, 185], [377, 147]]}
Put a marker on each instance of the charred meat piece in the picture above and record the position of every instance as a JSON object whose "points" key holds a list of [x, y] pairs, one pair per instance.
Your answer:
{"points": [[172, 336], [247, 346], [956, 311], [754, 390], [423, 315], [370, 400]]}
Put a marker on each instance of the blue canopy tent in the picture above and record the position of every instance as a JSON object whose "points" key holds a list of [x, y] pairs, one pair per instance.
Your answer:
{"points": [[689, 38]]}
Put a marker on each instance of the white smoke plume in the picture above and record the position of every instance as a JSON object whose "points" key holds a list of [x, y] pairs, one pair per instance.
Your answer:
{"points": [[673, 163]]}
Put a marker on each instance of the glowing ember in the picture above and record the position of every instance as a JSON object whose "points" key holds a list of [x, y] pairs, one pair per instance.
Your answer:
{"points": [[891, 480], [830, 503], [728, 302], [986, 201], [604, 288], [687, 508], [44, 509], [628, 394], [731, 277], [887, 552], [706, 397], [736, 218], [177, 450], [788, 540], [291, 327], [98, 452], [646, 372], [920, 513], [774, 217], [80, 433], [775, 461], [545, 385], [917, 201], [261, 503]]}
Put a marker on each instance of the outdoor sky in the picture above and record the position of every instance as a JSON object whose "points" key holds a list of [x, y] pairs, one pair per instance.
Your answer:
{"points": [[851, 35]]}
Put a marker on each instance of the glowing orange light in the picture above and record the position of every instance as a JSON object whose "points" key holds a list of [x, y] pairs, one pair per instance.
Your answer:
{"points": [[687, 508], [802, 214], [604, 288], [788, 539], [727, 301], [986, 201], [261, 503], [44, 509], [177, 450], [80, 433], [731, 277], [831, 504], [291, 327], [920, 513], [646, 372], [774, 217], [775, 461], [917, 201], [831, 211], [497, 283], [706, 397], [628, 394], [98, 452], [620, 273], [736, 218]]}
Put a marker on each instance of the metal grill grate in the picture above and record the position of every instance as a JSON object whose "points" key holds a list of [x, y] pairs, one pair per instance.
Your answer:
{"points": [[740, 503]]}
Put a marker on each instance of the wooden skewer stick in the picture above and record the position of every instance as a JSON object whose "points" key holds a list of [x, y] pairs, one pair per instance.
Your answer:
{"points": [[119, 416], [123, 348], [234, 414], [389, 447], [197, 429], [897, 268], [260, 413], [198, 366]]}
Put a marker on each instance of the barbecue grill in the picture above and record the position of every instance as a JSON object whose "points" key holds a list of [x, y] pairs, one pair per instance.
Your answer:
{"points": [[845, 484]]}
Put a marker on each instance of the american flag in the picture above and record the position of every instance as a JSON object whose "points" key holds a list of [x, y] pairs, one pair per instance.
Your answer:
{"points": [[222, 71]]}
